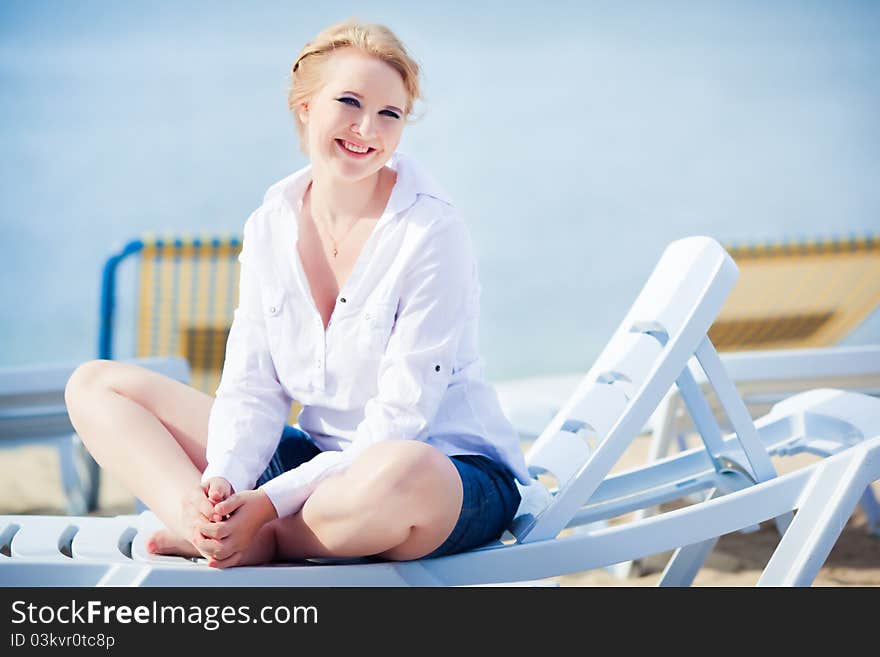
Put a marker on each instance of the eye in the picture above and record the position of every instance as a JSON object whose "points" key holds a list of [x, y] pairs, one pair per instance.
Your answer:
{"points": [[390, 113], [349, 101]]}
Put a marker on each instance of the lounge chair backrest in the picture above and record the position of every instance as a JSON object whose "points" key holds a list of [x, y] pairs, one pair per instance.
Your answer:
{"points": [[645, 356]]}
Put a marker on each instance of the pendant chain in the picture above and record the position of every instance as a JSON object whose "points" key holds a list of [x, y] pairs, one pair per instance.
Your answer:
{"points": [[333, 239]]}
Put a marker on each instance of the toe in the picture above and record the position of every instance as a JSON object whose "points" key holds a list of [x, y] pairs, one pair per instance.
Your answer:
{"points": [[166, 542]]}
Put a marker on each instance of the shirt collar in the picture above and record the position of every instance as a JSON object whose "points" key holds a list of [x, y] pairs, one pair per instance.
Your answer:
{"points": [[412, 180]]}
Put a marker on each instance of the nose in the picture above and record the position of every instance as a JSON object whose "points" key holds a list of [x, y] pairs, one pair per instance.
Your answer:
{"points": [[365, 128]]}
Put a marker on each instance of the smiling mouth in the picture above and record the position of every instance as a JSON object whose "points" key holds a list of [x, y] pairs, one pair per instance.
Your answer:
{"points": [[353, 149]]}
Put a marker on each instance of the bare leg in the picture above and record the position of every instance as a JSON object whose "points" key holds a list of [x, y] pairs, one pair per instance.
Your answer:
{"points": [[146, 429], [400, 500]]}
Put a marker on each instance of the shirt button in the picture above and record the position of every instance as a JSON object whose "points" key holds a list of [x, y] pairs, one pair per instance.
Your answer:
{"points": [[272, 309], [342, 299]]}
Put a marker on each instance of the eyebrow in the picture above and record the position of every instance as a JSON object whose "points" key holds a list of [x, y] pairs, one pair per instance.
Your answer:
{"points": [[357, 95]]}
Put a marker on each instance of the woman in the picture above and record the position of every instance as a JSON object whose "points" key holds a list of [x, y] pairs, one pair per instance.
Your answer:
{"points": [[359, 298]]}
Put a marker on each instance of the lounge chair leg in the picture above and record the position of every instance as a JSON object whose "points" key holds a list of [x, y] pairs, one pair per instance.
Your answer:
{"points": [[92, 483], [685, 563], [871, 508], [663, 426], [832, 496], [661, 438], [70, 478], [88, 474], [680, 442]]}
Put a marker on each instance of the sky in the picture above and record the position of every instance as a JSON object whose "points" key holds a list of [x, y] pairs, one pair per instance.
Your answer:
{"points": [[577, 139]]}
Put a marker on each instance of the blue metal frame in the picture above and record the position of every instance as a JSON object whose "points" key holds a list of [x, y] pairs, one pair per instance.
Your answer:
{"points": [[108, 297], [108, 282]]}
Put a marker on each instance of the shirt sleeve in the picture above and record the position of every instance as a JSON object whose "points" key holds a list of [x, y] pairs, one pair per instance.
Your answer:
{"points": [[416, 367], [250, 406]]}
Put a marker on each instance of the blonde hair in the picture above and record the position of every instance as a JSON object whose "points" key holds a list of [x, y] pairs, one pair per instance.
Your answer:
{"points": [[307, 72]]}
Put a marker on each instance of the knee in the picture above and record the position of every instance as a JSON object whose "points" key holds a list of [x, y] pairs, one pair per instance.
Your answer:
{"points": [[398, 468], [88, 376], [385, 471], [391, 485]]}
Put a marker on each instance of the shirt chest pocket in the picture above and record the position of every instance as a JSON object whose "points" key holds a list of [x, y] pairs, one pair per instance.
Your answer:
{"points": [[274, 300], [373, 326]]}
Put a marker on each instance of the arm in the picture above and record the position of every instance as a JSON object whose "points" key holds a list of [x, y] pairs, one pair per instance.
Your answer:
{"points": [[250, 406], [416, 367]]}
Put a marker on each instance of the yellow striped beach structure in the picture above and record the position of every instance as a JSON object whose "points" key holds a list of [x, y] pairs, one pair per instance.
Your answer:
{"points": [[799, 293], [186, 291]]}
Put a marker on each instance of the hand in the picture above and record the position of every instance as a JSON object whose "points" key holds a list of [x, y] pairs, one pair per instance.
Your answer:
{"points": [[226, 540], [217, 489], [198, 506]]}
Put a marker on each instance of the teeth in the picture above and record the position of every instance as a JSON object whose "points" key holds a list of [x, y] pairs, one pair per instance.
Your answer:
{"points": [[353, 148]]}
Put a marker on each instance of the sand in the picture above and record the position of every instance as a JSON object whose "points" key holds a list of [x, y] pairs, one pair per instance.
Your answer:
{"points": [[30, 483]]}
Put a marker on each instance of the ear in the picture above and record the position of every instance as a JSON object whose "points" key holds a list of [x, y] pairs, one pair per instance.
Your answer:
{"points": [[303, 112]]}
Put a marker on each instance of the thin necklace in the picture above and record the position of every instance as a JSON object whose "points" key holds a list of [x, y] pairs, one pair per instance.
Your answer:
{"points": [[333, 239]]}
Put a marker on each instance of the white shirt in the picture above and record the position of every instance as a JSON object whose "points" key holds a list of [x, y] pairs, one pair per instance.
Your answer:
{"points": [[399, 360]]}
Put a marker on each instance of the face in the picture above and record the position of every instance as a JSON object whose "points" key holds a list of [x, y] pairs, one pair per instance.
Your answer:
{"points": [[355, 121]]}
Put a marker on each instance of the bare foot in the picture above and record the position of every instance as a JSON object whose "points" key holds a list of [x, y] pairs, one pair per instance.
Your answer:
{"points": [[165, 541], [262, 549]]}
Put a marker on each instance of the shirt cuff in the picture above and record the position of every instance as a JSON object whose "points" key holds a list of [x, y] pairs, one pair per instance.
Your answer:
{"points": [[228, 467], [286, 499]]}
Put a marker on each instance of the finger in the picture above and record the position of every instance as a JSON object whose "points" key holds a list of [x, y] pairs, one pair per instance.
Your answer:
{"points": [[198, 541], [216, 530], [206, 509], [232, 560], [222, 548], [202, 505], [218, 491], [208, 547], [228, 505]]}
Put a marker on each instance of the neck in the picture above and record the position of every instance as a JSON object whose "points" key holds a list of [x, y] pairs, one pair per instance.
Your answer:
{"points": [[338, 203]]}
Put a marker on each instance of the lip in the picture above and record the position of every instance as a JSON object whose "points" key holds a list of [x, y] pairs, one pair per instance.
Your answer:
{"points": [[357, 156]]}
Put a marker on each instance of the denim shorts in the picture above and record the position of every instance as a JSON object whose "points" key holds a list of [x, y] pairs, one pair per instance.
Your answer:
{"points": [[490, 501]]}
